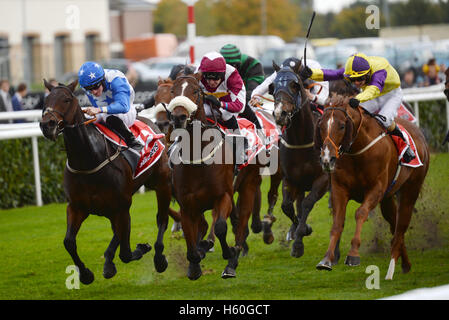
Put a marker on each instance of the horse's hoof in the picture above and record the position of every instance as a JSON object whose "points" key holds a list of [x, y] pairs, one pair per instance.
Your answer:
{"points": [[194, 271], [109, 270], [143, 248], [256, 226], [297, 249], [160, 263], [228, 272], [245, 249], [86, 276], [268, 238], [352, 261], [205, 245], [324, 264]]}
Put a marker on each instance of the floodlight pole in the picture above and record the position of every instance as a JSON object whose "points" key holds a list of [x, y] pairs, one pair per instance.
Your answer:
{"points": [[191, 28]]}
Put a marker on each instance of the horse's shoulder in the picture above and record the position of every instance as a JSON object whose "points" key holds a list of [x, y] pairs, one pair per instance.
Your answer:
{"points": [[149, 123]]}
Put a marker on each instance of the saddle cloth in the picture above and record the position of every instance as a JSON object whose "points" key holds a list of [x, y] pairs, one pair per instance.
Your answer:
{"points": [[401, 147], [403, 113], [270, 129], [151, 151]]}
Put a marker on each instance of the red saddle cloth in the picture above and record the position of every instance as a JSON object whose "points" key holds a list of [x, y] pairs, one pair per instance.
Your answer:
{"points": [[403, 113], [401, 147], [152, 149]]}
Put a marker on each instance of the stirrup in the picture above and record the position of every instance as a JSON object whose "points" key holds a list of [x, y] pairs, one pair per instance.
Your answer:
{"points": [[409, 155]]}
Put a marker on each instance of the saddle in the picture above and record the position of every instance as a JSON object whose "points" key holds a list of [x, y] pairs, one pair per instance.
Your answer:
{"points": [[150, 153]]}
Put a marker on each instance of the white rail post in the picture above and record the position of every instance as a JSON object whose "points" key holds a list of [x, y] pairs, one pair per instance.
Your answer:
{"points": [[37, 174], [416, 109]]}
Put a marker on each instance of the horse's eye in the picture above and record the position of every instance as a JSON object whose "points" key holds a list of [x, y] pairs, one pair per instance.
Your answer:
{"points": [[67, 100], [342, 126]]}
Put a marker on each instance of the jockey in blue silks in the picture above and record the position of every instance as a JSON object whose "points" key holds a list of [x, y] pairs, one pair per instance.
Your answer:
{"points": [[112, 98]]}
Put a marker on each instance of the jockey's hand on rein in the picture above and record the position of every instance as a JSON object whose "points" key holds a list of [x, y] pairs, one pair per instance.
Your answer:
{"points": [[212, 101], [354, 103], [305, 73]]}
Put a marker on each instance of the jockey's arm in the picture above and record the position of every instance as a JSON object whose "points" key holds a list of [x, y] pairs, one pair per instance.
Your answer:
{"points": [[374, 87], [262, 88], [120, 94], [237, 93], [327, 74], [320, 92]]}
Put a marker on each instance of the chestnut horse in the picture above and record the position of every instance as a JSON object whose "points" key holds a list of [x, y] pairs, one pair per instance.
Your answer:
{"points": [[299, 160], [363, 163], [199, 183], [101, 182]]}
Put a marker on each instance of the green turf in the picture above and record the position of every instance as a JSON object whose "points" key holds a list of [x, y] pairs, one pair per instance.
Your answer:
{"points": [[34, 261]]}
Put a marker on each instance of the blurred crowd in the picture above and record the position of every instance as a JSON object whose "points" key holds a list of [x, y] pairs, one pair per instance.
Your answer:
{"points": [[429, 74]]}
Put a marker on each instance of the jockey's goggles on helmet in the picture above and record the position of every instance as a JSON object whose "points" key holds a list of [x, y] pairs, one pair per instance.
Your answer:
{"points": [[213, 75], [94, 86], [359, 79]]}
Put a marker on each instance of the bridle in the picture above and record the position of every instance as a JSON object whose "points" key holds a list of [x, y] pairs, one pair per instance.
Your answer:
{"points": [[61, 123], [338, 149], [197, 91]]}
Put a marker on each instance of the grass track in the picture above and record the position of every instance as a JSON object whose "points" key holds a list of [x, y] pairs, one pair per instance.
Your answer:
{"points": [[34, 260]]}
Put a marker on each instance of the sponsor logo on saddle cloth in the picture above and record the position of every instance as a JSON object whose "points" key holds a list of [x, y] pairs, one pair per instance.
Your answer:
{"points": [[401, 147], [403, 113], [153, 147], [270, 129]]}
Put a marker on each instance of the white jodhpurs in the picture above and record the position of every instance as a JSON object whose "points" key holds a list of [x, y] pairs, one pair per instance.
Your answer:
{"points": [[128, 118], [386, 105]]}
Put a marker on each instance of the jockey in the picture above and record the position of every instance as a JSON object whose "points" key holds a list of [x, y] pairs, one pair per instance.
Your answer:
{"points": [[251, 71], [316, 94], [223, 88], [112, 98], [381, 86]]}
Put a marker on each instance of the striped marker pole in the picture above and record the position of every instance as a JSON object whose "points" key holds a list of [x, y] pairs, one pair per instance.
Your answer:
{"points": [[191, 28]]}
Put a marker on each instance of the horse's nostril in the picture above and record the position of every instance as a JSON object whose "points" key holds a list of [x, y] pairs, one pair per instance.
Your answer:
{"points": [[283, 114]]}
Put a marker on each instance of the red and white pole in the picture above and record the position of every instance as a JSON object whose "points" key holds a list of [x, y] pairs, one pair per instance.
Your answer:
{"points": [[191, 28]]}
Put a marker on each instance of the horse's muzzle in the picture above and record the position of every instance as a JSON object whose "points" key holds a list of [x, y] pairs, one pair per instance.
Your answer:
{"points": [[49, 129], [179, 121], [327, 161]]}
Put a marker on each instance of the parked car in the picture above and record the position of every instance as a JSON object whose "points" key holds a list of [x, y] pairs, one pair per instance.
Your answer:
{"points": [[279, 54]]}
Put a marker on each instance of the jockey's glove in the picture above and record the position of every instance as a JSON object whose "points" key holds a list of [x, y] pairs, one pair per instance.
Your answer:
{"points": [[305, 73], [354, 103], [212, 101]]}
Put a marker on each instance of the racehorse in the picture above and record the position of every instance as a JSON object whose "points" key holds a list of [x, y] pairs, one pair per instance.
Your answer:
{"points": [[98, 180], [200, 184], [364, 167], [299, 160]]}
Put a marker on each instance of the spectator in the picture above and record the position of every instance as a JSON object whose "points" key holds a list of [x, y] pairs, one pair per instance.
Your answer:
{"points": [[40, 104], [5, 98], [409, 79], [430, 70], [17, 99]]}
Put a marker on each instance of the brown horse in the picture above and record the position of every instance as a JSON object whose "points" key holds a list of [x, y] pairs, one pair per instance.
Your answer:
{"points": [[364, 167], [299, 160], [201, 182], [101, 182]]}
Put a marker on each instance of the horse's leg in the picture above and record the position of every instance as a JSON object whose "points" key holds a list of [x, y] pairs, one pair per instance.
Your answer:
{"points": [[121, 223], [75, 218], [388, 209], [269, 218], [319, 188], [109, 269], [340, 200], [223, 208], [290, 193], [256, 223], [190, 228], [372, 198], [163, 195], [407, 199], [203, 245], [211, 236]]}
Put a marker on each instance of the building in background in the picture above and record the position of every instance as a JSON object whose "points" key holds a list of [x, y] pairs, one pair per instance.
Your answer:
{"points": [[47, 38]]}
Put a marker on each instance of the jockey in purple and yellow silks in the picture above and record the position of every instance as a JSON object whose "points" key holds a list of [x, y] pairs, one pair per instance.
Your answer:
{"points": [[381, 89]]}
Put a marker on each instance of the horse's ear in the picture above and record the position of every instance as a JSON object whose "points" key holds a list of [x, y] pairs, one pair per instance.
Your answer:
{"points": [[72, 86], [48, 85], [198, 75], [297, 68], [160, 81], [271, 88], [276, 67], [347, 139]]}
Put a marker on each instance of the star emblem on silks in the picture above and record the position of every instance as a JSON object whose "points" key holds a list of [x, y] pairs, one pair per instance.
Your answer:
{"points": [[97, 65], [92, 75], [81, 72]]}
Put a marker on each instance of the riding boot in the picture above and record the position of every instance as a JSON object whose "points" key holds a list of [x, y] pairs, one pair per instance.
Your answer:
{"points": [[118, 125], [240, 153], [409, 155]]}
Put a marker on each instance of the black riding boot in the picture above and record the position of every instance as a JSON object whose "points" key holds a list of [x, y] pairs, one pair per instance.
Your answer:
{"points": [[409, 155], [249, 114], [118, 125], [234, 126]]}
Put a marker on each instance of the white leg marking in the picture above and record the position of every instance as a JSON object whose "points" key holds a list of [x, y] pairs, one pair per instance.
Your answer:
{"points": [[390, 270]]}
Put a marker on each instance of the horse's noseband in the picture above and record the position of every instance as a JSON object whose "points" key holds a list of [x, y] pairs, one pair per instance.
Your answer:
{"points": [[282, 84]]}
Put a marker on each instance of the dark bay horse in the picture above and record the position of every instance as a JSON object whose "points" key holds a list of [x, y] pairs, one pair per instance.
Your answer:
{"points": [[101, 182], [299, 160], [201, 182], [363, 162]]}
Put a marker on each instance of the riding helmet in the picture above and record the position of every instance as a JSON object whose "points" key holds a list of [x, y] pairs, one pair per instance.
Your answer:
{"points": [[90, 73], [213, 65], [232, 55], [357, 66]]}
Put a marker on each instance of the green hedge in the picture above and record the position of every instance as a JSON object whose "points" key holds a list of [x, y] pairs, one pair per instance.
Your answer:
{"points": [[432, 121], [17, 174]]}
